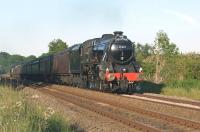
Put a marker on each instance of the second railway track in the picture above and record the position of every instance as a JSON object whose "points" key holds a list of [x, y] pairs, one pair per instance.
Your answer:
{"points": [[188, 104]]}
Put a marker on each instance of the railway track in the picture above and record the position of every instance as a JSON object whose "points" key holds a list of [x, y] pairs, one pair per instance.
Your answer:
{"points": [[88, 104], [193, 105], [99, 97]]}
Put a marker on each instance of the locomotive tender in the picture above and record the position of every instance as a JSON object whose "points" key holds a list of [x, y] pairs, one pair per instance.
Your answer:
{"points": [[100, 63]]}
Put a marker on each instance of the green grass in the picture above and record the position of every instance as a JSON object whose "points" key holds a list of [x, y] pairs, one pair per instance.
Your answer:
{"points": [[186, 84], [181, 92], [185, 88], [17, 115]]}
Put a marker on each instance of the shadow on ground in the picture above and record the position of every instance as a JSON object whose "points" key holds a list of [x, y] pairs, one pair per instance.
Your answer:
{"points": [[38, 84], [150, 87]]}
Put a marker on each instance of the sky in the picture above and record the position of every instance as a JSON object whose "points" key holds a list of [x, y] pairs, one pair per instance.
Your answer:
{"points": [[27, 26]]}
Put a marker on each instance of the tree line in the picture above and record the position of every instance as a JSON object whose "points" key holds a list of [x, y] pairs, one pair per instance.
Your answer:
{"points": [[7, 61]]}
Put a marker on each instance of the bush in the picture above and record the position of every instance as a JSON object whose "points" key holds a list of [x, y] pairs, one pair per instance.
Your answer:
{"points": [[56, 124]]}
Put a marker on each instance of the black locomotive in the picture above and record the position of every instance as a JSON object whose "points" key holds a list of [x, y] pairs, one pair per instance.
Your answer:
{"points": [[100, 63]]}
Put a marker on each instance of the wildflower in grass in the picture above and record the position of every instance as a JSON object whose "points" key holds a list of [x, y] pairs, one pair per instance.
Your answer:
{"points": [[48, 113], [18, 104], [35, 96], [50, 110]]}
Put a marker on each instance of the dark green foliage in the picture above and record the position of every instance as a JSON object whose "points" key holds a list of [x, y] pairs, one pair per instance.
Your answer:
{"points": [[173, 69], [149, 70], [143, 51], [7, 61], [57, 45], [193, 66], [2, 70], [143, 54], [30, 58], [181, 67], [44, 55]]}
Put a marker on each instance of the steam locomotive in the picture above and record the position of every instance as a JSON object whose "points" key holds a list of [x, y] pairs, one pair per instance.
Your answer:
{"points": [[106, 63]]}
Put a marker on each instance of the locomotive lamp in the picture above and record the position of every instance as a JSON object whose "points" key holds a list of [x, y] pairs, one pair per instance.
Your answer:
{"points": [[124, 70], [140, 70]]}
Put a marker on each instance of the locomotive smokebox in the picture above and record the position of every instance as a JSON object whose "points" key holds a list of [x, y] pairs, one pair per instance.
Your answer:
{"points": [[118, 33]]}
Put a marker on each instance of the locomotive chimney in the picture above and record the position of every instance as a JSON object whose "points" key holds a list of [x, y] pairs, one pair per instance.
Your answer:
{"points": [[118, 33]]}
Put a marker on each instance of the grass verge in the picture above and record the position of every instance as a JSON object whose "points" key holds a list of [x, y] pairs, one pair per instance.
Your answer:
{"points": [[185, 88], [17, 115], [193, 93]]}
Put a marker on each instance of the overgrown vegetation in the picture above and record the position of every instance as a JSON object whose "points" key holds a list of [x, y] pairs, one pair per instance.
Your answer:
{"points": [[164, 65], [17, 115]]}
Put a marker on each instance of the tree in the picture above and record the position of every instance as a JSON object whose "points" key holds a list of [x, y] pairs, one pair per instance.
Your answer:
{"points": [[163, 46], [16, 58], [57, 45], [1, 70], [30, 58], [143, 51], [7, 61], [162, 50], [44, 54], [4, 55]]}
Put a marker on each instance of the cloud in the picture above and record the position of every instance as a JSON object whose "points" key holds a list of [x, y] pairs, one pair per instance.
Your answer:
{"points": [[187, 18]]}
